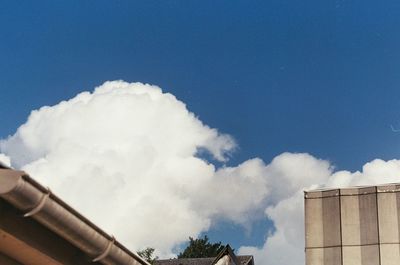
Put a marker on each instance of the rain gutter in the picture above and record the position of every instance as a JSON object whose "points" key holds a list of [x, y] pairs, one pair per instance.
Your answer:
{"points": [[37, 202]]}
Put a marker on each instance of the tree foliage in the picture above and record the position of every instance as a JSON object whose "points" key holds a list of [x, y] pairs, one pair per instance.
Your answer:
{"points": [[201, 248], [148, 255]]}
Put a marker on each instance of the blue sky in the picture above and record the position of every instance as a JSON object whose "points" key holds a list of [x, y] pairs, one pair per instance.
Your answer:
{"points": [[320, 77]]}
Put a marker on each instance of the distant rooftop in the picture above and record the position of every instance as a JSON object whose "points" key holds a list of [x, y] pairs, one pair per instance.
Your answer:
{"points": [[243, 260], [226, 256]]}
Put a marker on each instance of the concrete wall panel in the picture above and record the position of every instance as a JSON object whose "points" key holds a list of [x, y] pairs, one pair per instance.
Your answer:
{"points": [[370, 255], [352, 255], [314, 225], [390, 254], [331, 221], [315, 256], [332, 256], [368, 219], [388, 217], [350, 213]]}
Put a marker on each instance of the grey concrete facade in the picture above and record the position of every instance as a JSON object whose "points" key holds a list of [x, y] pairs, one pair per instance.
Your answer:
{"points": [[353, 226]]}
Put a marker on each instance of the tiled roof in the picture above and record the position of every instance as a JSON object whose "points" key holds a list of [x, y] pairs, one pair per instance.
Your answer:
{"points": [[194, 261], [244, 260]]}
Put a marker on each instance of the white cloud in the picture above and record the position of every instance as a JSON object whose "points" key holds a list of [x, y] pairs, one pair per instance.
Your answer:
{"points": [[285, 245], [126, 156], [5, 160]]}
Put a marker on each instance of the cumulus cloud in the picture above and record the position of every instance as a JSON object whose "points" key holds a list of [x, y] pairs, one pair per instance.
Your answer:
{"points": [[127, 156]]}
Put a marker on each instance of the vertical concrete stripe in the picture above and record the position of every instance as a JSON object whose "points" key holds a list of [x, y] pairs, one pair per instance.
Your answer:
{"points": [[341, 227], [368, 219], [331, 221], [350, 219], [314, 231], [378, 248], [398, 219], [368, 229], [398, 215], [313, 223], [388, 217], [331, 230]]}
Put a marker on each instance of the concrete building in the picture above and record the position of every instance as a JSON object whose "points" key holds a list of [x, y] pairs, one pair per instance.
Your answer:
{"points": [[353, 226]]}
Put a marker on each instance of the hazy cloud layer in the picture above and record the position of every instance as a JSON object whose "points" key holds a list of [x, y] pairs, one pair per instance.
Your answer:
{"points": [[126, 156]]}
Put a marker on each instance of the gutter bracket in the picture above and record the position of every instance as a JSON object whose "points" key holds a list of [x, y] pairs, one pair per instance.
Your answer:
{"points": [[106, 251], [40, 205]]}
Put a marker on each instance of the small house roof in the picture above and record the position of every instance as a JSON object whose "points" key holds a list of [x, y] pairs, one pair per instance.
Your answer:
{"points": [[243, 260], [240, 260]]}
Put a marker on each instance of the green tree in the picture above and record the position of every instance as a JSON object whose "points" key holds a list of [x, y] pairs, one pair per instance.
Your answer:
{"points": [[148, 255], [201, 248]]}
